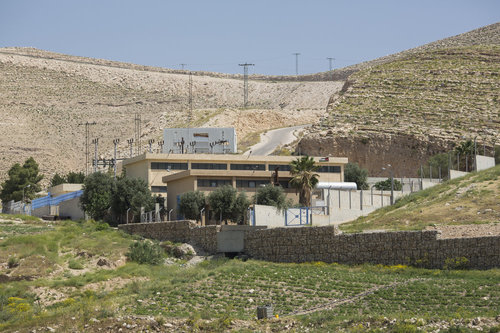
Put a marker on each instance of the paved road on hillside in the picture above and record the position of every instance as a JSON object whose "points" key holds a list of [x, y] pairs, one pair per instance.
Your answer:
{"points": [[271, 140]]}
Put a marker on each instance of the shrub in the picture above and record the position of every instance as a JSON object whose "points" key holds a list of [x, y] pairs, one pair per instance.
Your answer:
{"points": [[191, 204], [101, 226], [456, 263], [354, 173], [272, 196], [13, 262], [385, 185], [75, 264], [145, 252]]}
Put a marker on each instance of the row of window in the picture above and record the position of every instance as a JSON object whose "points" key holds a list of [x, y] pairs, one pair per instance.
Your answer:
{"points": [[249, 167], [213, 182], [159, 189], [240, 183]]}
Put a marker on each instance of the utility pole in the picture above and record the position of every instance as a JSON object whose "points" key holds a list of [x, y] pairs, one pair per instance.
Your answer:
{"points": [[160, 144], [87, 133], [330, 61], [95, 142], [182, 66], [245, 83], [150, 142], [296, 63], [115, 142]]}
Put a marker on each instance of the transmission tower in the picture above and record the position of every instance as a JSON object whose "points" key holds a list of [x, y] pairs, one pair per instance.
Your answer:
{"points": [[245, 83], [87, 134], [296, 63], [137, 131], [190, 99], [330, 62]]}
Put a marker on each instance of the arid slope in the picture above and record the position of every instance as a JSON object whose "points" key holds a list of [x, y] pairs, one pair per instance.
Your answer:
{"points": [[46, 96], [421, 102]]}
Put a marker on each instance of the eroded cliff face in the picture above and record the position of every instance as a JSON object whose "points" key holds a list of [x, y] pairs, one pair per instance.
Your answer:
{"points": [[374, 150]]}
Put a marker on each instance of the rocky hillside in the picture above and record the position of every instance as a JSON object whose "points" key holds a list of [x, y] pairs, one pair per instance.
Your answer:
{"points": [[45, 97], [403, 109]]}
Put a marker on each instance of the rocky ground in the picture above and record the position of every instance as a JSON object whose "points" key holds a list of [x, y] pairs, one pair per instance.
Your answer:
{"points": [[47, 97]]}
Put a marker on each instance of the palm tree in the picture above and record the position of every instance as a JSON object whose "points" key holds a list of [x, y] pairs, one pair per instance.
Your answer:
{"points": [[465, 149], [303, 178]]}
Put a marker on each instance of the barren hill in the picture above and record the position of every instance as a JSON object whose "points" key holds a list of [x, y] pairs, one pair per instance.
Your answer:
{"points": [[45, 97], [402, 109]]}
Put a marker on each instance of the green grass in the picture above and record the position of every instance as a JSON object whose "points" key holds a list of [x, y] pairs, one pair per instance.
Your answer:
{"points": [[454, 202], [215, 293]]}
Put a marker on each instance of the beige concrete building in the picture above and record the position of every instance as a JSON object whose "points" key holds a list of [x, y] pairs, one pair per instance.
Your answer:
{"points": [[205, 172]]}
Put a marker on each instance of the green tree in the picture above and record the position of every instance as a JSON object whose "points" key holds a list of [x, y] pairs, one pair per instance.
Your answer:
{"points": [[191, 204], [465, 150], [57, 179], [385, 185], [354, 173], [436, 162], [270, 195], [130, 193], [75, 177], [222, 202], [304, 178], [240, 207], [25, 178], [97, 194]]}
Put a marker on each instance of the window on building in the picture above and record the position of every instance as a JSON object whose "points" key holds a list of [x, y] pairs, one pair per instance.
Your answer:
{"points": [[213, 182], [251, 167], [329, 169], [168, 166], [159, 189], [209, 166], [283, 167], [250, 183]]}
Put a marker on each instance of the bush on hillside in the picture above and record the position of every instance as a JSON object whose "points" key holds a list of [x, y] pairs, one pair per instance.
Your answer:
{"points": [[385, 185], [145, 252], [354, 173]]}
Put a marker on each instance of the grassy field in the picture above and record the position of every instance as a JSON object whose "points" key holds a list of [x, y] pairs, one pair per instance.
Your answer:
{"points": [[55, 281], [472, 199]]}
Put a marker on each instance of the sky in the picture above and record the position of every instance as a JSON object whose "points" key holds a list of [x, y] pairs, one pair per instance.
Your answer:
{"points": [[217, 35]]}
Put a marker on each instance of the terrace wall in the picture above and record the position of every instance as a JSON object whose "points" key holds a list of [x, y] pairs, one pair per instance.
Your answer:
{"points": [[177, 231], [306, 244], [387, 248]]}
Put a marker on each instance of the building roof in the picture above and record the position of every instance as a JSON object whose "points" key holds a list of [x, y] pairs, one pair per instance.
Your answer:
{"points": [[226, 158]]}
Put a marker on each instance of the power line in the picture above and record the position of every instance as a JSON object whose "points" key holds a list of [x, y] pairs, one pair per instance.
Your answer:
{"points": [[245, 83]]}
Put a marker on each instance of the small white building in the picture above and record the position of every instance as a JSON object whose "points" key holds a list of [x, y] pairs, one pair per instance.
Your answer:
{"points": [[208, 140]]}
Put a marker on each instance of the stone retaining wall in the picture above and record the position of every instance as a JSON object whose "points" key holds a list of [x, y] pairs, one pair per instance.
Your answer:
{"points": [[177, 231], [423, 248], [305, 244]]}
